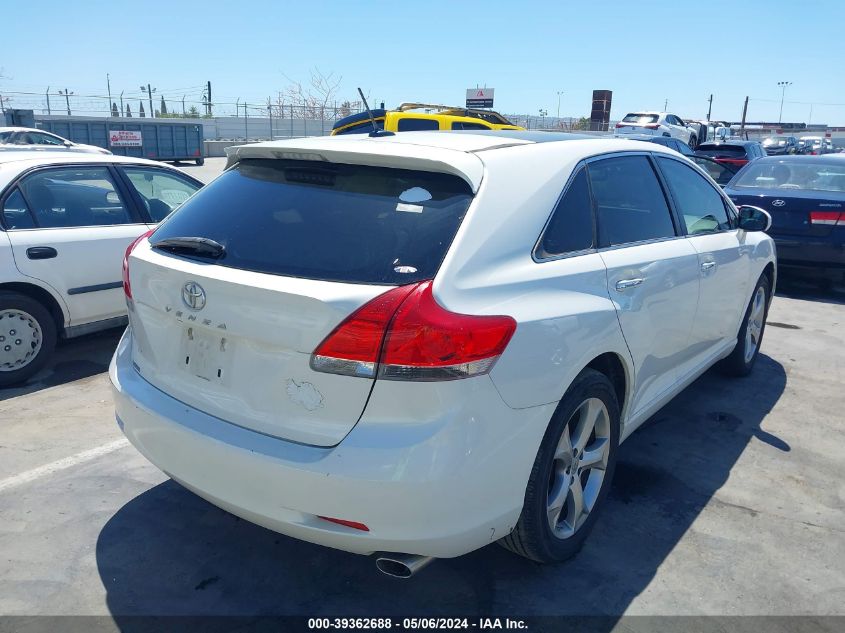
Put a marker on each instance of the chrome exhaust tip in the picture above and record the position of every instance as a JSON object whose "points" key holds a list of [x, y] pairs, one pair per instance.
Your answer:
{"points": [[401, 565]]}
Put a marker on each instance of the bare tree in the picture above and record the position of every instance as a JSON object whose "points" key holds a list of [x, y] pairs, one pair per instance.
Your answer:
{"points": [[316, 99]]}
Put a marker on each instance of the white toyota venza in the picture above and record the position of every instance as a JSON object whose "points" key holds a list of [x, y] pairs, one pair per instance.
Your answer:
{"points": [[423, 343]]}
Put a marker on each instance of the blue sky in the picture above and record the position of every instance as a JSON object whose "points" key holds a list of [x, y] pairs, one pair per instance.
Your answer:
{"points": [[645, 51]]}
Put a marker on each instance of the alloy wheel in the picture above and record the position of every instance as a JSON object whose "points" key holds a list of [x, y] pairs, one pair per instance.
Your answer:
{"points": [[579, 468], [754, 329]]}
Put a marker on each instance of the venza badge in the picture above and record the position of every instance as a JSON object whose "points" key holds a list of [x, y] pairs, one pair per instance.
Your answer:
{"points": [[193, 295]]}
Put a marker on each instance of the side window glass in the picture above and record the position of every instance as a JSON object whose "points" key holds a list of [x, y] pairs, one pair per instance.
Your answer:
{"points": [[700, 205], [466, 125], [571, 226], [630, 203], [16, 213], [161, 192], [717, 171], [74, 196], [409, 125]]}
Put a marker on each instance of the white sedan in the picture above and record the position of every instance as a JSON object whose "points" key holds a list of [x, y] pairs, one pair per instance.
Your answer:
{"points": [[426, 342], [657, 124], [65, 222], [33, 139]]}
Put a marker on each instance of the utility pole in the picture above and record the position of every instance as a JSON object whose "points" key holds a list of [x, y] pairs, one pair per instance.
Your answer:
{"points": [[559, 92], [246, 128], [665, 104], [183, 106], [122, 111], [209, 98], [66, 93], [2, 104], [783, 86], [744, 113], [270, 114], [149, 90], [710, 107], [47, 94], [108, 87]]}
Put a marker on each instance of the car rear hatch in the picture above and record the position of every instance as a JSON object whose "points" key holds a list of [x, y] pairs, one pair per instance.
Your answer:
{"points": [[735, 155], [305, 244]]}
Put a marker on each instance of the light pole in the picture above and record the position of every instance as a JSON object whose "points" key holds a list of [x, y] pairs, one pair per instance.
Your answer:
{"points": [[559, 93], [66, 94], [543, 114], [783, 86], [149, 92]]}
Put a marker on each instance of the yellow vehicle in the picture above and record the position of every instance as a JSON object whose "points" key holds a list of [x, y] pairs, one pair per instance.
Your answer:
{"points": [[423, 116]]}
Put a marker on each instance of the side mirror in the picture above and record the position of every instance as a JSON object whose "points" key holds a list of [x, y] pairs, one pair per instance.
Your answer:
{"points": [[754, 218], [68, 144]]}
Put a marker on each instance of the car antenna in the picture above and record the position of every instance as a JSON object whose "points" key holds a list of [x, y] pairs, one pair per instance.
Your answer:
{"points": [[376, 131]]}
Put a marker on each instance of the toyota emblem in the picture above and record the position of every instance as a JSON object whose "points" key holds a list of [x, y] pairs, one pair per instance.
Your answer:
{"points": [[778, 203], [193, 295]]}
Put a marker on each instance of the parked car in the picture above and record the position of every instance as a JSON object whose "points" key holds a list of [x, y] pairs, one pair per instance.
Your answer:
{"points": [[731, 152], [410, 117], [721, 173], [658, 124], [380, 353], [33, 139], [780, 145], [815, 145], [805, 196], [667, 141], [65, 224]]}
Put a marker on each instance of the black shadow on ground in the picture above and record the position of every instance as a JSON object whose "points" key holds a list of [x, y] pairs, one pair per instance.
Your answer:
{"points": [[73, 359], [168, 552]]}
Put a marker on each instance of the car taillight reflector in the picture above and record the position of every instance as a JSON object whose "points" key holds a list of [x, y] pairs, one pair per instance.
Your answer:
{"points": [[127, 288], [830, 218], [352, 524], [404, 334]]}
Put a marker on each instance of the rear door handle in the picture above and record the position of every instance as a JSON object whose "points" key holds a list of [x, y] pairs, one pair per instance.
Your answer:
{"points": [[705, 266], [41, 252], [624, 284]]}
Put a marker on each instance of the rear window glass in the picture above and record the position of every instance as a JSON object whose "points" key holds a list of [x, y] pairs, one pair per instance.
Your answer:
{"points": [[803, 174], [361, 128], [774, 141], [640, 118], [720, 151], [327, 221]]}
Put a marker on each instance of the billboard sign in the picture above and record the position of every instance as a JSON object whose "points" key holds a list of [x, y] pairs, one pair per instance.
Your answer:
{"points": [[480, 98], [125, 138]]}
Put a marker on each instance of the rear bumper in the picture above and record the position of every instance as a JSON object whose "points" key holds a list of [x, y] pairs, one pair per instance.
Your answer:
{"points": [[820, 254], [438, 474]]}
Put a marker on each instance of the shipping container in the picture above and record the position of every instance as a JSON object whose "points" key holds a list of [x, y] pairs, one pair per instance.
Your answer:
{"points": [[157, 139]]}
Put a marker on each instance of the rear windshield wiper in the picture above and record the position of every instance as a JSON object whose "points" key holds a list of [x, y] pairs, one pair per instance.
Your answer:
{"points": [[202, 246]]}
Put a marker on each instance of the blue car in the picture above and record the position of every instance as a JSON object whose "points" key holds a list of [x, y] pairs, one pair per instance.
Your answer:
{"points": [[805, 196]]}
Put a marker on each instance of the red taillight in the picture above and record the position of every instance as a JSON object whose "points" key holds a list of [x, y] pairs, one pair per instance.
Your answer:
{"points": [[653, 126], [732, 161], [620, 125], [404, 334], [830, 218], [127, 288], [352, 524]]}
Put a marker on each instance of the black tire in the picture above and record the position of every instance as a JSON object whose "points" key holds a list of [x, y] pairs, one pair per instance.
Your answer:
{"points": [[200, 162], [740, 363], [46, 324], [533, 537], [693, 141]]}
